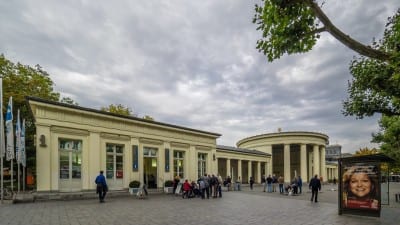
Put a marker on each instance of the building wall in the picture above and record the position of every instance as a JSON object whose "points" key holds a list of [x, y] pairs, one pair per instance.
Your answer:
{"points": [[289, 142], [94, 130]]}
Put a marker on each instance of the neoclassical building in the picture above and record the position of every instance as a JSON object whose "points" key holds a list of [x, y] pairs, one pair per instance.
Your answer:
{"points": [[292, 153], [74, 143]]}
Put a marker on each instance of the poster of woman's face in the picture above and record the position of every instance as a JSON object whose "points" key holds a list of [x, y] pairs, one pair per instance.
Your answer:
{"points": [[360, 186]]}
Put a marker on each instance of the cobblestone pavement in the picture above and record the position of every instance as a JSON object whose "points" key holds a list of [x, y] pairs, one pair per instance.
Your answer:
{"points": [[245, 207]]}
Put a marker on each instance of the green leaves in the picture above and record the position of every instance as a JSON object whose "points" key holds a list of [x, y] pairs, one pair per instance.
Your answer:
{"points": [[117, 109], [375, 87], [286, 26]]}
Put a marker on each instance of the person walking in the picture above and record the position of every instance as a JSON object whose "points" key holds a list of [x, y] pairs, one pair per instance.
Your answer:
{"points": [[315, 186], [269, 183], [101, 186], [280, 182], [299, 184], [251, 183]]}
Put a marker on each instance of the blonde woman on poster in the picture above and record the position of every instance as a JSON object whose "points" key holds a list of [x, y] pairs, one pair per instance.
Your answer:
{"points": [[360, 187]]}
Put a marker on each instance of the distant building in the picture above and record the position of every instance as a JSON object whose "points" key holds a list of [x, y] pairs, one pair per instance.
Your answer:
{"points": [[333, 152]]}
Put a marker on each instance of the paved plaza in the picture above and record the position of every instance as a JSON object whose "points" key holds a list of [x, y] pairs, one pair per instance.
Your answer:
{"points": [[244, 207]]}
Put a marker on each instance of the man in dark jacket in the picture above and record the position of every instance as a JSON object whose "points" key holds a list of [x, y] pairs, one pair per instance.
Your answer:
{"points": [[315, 186], [101, 186]]}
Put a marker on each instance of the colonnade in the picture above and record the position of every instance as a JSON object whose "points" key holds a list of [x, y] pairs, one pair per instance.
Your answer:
{"points": [[234, 168]]}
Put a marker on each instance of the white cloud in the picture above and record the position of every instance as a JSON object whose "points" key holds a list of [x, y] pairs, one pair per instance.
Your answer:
{"points": [[194, 63]]}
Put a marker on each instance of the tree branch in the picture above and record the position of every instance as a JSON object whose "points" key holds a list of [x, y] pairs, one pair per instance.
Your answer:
{"points": [[346, 39]]}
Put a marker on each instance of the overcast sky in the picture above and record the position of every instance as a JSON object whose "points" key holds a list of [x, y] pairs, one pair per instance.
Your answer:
{"points": [[194, 63]]}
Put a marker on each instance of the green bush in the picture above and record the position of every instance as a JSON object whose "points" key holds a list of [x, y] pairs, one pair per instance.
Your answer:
{"points": [[168, 183], [134, 184]]}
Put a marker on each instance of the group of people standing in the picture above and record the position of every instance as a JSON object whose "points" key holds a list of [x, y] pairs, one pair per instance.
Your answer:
{"points": [[206, 186]]}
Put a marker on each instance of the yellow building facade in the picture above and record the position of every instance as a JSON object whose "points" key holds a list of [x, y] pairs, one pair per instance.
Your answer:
{"points": [[74, 143], [295, 153]]}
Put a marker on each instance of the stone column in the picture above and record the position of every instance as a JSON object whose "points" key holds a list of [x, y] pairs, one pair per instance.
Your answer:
{"points": [[323, 165], [269, 170], [303, 162], [316, 163], [240, 168], [286, 160], [258, 178], [249, 170], [228, 168]]}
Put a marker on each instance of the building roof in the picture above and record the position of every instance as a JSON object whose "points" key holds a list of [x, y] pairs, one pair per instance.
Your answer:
{"points": [[284, 134], [241, 150], [41, 100], [364, 158]]}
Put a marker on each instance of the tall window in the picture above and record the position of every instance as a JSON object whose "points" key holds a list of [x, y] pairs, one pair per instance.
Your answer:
{"points": [[70, 158], [202, 164], [114, 161], [178, 164]]}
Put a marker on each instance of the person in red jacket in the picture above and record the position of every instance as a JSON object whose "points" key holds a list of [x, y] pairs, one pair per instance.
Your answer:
{"points": [[187, 188]]}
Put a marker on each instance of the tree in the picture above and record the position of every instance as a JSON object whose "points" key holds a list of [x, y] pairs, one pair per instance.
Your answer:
{"points": [[375, 87], [389, 136], [68, 100], [147, 117], [293, 26], [19, 81], [117, 109], [366, 151]]}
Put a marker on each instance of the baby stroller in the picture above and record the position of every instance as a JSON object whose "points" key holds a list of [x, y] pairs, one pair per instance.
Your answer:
{"points": [[142, 193]]}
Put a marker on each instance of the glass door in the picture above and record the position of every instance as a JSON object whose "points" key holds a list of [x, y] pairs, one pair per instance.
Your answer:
{"points": [[70, 165]]}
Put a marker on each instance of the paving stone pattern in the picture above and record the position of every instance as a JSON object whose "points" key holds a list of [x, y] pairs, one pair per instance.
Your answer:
{"points": [[244, 207]]}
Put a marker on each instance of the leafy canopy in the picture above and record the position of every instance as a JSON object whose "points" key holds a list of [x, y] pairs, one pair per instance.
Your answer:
{"points": [[375, 87], [23, 80], [287, 27], [117, 109]]}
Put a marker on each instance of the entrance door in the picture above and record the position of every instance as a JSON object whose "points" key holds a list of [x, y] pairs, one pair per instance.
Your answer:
{"points": [[150, 167], [70, 161]]}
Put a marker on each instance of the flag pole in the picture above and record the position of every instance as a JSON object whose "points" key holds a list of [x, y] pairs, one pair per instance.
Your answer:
{"points": [[10, 140], [23, 154], [2, 149], [18, 150]]}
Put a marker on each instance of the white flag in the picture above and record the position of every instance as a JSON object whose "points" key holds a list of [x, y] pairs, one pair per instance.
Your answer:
{"points": [[23, 153], [2, 140], [18, 139], [9, 132]]}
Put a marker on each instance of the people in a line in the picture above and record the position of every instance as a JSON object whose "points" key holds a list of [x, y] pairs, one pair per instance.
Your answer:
{"points": [[274, 182], [228, 182], [211, 186], [294, 185], [176, 181], [214, 185], [187, 189], [202, 187], [251, 183], [280, 182], [264, 182], [101, 186], [207, 185], [360, 187], [220, 183], [269, 183], [238, 183], [315, 186], [299, 184]]}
